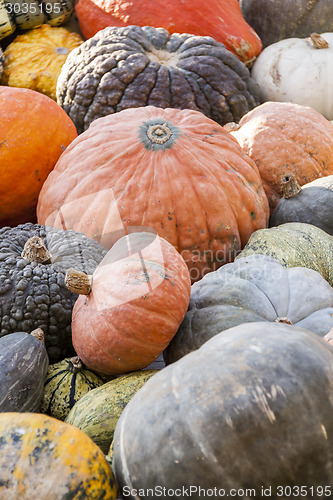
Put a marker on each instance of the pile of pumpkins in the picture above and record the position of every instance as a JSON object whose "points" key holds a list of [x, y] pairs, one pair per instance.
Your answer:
{"points": [[166, 249]]}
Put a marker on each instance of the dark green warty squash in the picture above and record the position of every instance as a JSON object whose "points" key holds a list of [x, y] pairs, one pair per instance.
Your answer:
{"points": [[33, 263], [251, 408], [294, 244], [98, 411], [311, 203], [66, 382], [23, 367], [254, 288], [130, 67]]}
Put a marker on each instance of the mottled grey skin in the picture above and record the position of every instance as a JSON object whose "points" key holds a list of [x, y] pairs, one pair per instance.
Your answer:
{"points": [[275, 20], [253, 288], [251, 408], [118, 69], [34, 295]]}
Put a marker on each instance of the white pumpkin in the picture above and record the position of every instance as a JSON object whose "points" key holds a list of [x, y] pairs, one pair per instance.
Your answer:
{"points": [[298, 70]]}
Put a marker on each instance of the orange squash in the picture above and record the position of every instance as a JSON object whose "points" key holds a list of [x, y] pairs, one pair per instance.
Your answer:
{"points": [[132, 306], [220, 19], [286, 138], [175, 171], [44, 458], [34, 132]]}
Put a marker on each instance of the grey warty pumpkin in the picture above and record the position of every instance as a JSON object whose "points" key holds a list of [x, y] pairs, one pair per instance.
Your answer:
{"points": [[311, 203], [275, 20], [294, 244], [23, 368], [33, 263], [252, 408], [130, 67], [253, 288]]}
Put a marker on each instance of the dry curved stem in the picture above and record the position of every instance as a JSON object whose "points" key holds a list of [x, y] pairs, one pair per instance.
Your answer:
{"points": [[78, 281], [283, 319], [318, 41], [38, 333], [75, 364], [35, 250], [289, 186]]}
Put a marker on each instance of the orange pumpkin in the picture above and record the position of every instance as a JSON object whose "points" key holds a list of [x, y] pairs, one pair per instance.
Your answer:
{"points": [[220, 19], [137, 299], [286, 138], [172, 170], [34, 131]]}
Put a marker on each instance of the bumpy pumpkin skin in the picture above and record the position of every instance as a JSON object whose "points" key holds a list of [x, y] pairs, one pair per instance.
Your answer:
{"points": [[311, 205], [286, 138], [34, 59], [97, 413], [23, 367], [44, 458], [33, 134], [295, 244], [274, 21], [253, 288], [196, 188], [251, 408], [220, 19], [130, 67], [65, 384], [33, 294], [139, 296]]}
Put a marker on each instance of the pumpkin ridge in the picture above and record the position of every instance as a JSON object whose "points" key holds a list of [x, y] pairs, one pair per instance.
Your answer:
{"points": [[63, 373]]}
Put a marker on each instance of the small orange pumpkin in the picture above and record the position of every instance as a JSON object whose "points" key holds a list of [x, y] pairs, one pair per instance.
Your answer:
{"points": [[132, 306], [286, 138], [175, 171], [220, 19], [34, 132]]}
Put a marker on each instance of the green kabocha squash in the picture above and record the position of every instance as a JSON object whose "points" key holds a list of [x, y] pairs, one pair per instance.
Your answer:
{"points": [[29, 14], [98, 411], [276, 20], [131, 67], [43, 458], [311, 203], [33, 264], [252, 408], [294, 244], [66, 382], [253, 288], [23, 368]]}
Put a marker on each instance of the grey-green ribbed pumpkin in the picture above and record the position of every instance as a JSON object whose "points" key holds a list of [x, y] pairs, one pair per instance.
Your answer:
{"points": [[294, 244], [97, 412], [66, 382], [254, 288], [311, 203]]}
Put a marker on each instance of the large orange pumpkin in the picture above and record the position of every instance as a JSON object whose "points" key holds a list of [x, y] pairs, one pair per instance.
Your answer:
{"points": [[139, 295], [34, 132], [220, 19], [172, 170], [286, 138]]}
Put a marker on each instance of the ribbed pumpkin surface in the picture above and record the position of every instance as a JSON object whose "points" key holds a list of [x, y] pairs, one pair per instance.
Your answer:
{"points": [[65, 384], [172, 170], [45, 459]]}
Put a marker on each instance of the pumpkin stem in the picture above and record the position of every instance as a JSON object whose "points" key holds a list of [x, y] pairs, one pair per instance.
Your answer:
{"points": [[231, 126], [38, 334], [78, 282], [283, 319], [75, 364], [35, 250], [318, 41], [290, 186], [159, 133]]}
